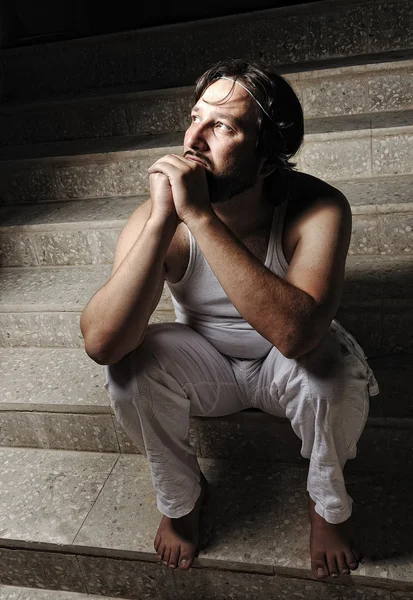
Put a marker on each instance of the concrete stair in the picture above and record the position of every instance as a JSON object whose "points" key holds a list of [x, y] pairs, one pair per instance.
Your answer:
{"points": [[80, 123], [11, 592], [92, 524]]}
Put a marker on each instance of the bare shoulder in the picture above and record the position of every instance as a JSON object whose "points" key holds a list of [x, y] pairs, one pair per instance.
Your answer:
{"points": [[313, 200]]}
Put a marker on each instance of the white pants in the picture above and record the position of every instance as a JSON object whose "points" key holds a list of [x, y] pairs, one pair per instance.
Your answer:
{"points": [[176, 373]]}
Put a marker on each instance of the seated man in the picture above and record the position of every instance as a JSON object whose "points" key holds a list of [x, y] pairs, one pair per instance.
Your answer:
{"points": [[254, 255]]}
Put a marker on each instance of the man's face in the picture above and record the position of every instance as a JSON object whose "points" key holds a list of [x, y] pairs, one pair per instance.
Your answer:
{"points": [[222, 136]]}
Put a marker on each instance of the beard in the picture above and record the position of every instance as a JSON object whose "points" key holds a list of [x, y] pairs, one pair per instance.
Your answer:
{"points": [[224, 186]]}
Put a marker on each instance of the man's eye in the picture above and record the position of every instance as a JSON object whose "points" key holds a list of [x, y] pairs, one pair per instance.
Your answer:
{"points": [[194, 118], [223, 126]]}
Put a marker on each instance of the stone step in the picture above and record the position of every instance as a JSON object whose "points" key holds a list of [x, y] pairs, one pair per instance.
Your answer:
{"points": [[86, 231], [362, 90], [118, 166], [41, 306], [85, 522], [55, 398], [299, 37], [12, 592]]}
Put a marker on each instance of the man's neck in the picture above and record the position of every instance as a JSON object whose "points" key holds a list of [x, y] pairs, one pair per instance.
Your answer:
{"points": [[245, 213]]}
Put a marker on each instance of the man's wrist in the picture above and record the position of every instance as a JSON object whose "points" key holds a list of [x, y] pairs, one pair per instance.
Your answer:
{"points": [[199, 220]]}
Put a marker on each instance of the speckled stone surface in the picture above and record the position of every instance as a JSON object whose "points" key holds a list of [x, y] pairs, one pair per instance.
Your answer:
{"points": [[391, 91], [55, 289], [125, 515], [76, 247], [48, 329], [396, 233], [25, 593], [41, 569], [92, 181], [249, 436], [337, 159], [108, 212], [282, 40], [324, 93], [45, 496], [205, 584], [390, 26], [256, 518], [127, 579], [160, 55], [130, 177], [326, 38], [28, 185], [392, 154], [336, 97], [90, 433], [63, 248], [386, 194], [257, 513], [71, 122], [161, 114], [365, 235], [16, 250]]}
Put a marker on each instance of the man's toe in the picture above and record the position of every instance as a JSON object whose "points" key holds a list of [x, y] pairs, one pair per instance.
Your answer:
{"points": [[343, 568], [332, 565], [352, 559], [174, 557], [185, 560], [319, 567]]}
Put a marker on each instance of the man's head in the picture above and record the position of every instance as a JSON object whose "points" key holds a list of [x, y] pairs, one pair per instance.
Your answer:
{"points": [[246, 124]]}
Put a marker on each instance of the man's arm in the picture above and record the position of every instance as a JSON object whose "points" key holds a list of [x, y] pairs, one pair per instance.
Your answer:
{"points": [[115, 320], [292, 313]]}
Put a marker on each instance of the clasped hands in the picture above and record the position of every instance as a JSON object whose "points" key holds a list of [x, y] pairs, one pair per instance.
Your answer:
{"points": [[188, 184]]}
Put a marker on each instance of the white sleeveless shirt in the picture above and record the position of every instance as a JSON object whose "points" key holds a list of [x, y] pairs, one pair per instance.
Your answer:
{"points": [[200, 301]]}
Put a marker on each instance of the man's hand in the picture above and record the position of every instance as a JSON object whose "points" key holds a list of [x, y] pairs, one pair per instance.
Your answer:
{"points": [[189, 186], [163, 207]]}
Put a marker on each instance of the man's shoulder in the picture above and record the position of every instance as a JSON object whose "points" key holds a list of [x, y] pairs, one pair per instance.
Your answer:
{"points": [[309, 188], [315, 203]]}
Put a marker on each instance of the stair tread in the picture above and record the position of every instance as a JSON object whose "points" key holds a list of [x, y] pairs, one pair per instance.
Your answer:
{"points": [[57, 379], [105, 503], [69, 288], [11, 592], [369, 195], [80, 213], [67, 381], [130, 92], [80, 148]]}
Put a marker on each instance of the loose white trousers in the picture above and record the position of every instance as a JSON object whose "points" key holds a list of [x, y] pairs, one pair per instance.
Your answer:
{"points": [[176, 373]]}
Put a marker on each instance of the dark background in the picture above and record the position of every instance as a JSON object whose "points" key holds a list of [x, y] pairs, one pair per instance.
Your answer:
{"points": [[25, 22]]}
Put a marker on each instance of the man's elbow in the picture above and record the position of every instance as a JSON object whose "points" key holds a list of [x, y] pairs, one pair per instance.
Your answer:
{"points": [[299, 342]]}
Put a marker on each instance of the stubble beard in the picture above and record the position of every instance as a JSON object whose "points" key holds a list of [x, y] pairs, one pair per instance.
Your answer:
{"points": [[224, 186]]}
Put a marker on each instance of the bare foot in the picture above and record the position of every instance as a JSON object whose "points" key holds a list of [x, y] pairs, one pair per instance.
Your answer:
{"points": [[334, 549], [177, 539]]}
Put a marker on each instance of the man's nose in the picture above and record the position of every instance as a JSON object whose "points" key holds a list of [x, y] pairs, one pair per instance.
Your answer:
{"points": [[195, 137]]}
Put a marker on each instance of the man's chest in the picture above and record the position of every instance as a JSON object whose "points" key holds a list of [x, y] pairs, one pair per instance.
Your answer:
{"points": [[178, 255]]}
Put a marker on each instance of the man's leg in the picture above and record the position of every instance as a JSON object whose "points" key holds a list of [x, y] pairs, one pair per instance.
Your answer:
{"points": [[174, 374], [325, 396]]}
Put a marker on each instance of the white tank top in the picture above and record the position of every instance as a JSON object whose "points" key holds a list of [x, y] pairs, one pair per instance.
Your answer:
{"points": [[200, 301]]}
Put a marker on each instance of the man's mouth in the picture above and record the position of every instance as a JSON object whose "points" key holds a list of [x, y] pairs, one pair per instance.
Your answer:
{"points": [[196, 159]]}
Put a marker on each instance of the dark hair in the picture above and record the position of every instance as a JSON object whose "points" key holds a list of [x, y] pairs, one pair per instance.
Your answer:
{"points": [[280, 136]]}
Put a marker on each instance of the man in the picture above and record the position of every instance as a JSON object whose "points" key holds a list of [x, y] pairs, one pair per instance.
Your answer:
{"points": [[254, 254]]}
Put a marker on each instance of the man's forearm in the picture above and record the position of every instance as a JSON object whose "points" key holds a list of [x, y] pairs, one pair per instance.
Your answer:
{"points": [[279, 311], [115, 318]]}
